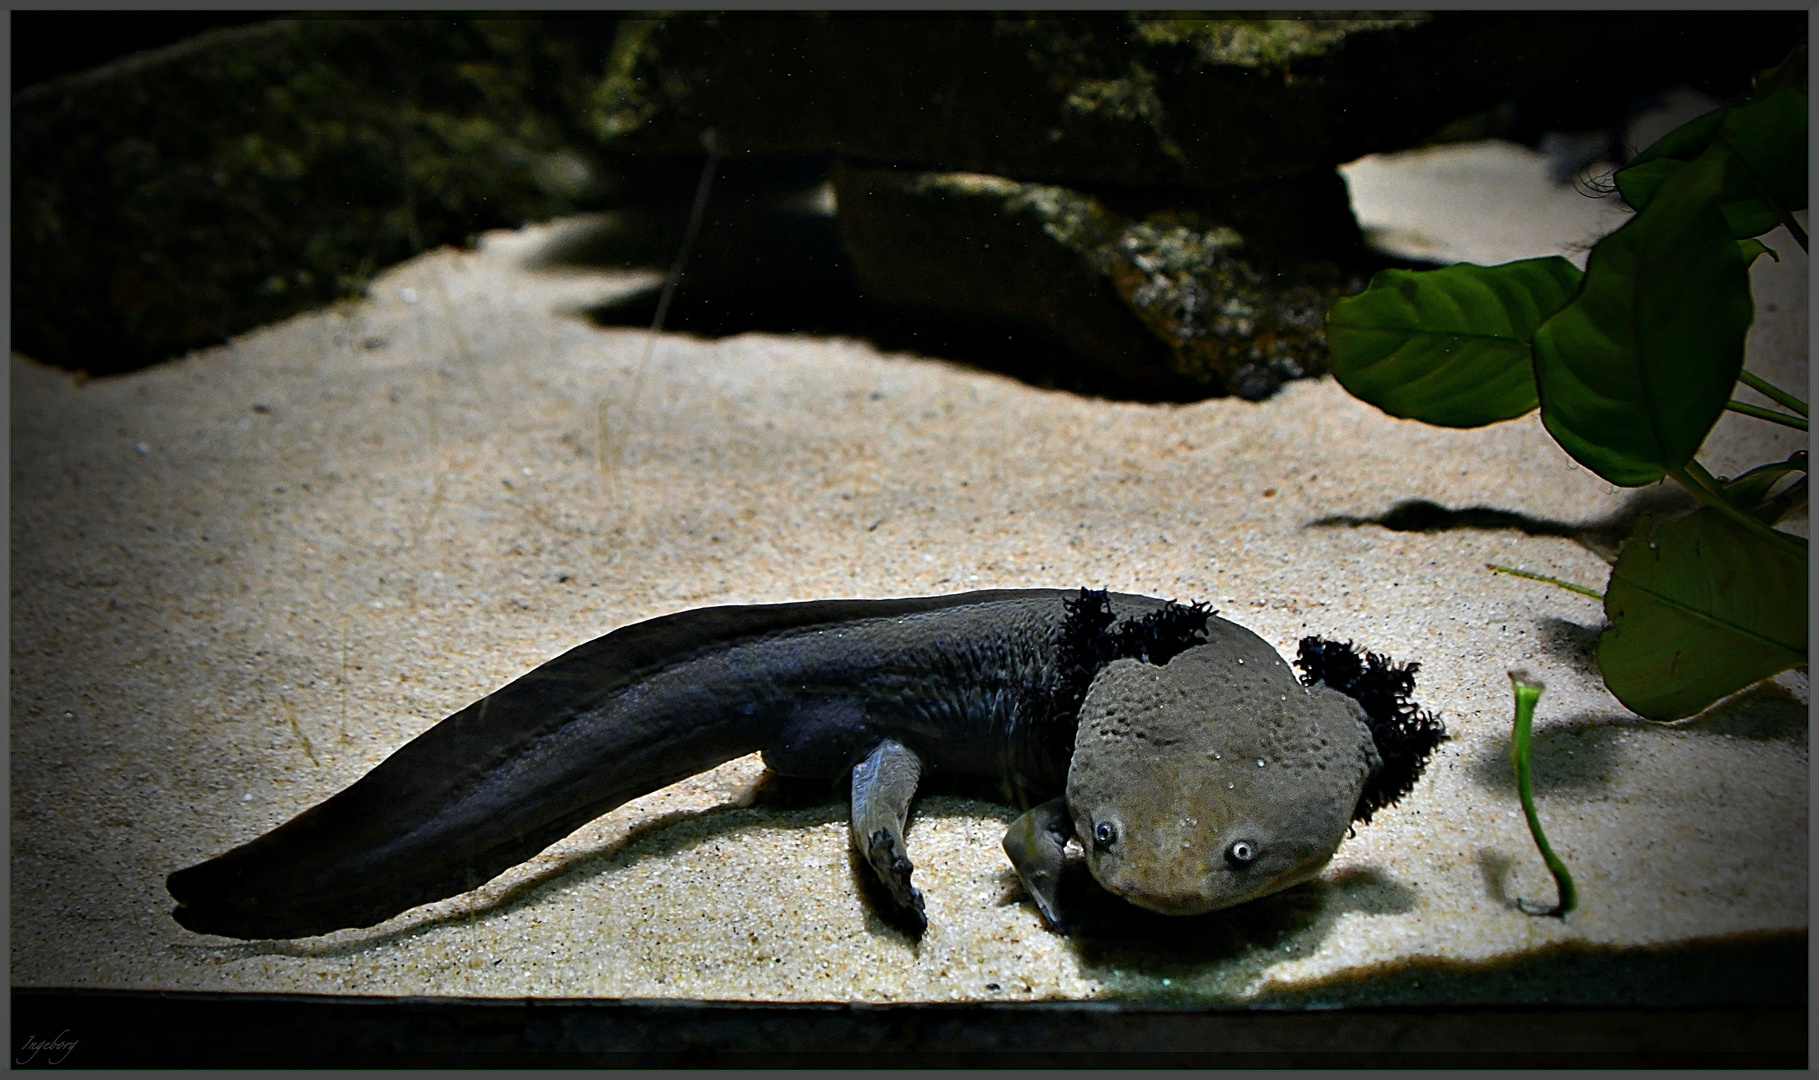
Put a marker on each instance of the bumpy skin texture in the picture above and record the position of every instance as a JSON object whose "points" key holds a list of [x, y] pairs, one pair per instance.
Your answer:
{"points": [[983, 683], [964, 681], [1175, 767]]}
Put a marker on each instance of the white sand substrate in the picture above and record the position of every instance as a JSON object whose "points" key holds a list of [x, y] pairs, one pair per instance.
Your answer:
{"points": [[241, 579]]}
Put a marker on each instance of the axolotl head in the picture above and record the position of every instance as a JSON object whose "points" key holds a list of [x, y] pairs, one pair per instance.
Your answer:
{"points": [[1217, 777]]}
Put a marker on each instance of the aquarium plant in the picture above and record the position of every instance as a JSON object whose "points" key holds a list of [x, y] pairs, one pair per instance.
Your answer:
{"points": [[1631, 363]]}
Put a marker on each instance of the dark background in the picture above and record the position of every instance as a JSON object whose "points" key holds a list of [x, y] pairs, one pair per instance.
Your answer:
{"points": [[47, 44]]}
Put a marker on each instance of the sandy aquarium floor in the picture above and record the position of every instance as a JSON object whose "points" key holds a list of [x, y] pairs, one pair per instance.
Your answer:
{"points": [[241, 579]]}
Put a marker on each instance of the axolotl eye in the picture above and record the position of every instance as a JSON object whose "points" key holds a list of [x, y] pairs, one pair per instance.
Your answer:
{"points": [[1240, 853], [1105, 834]]}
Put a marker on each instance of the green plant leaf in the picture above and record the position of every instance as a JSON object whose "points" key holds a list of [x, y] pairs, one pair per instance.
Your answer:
{"points": [[1791, 71], [1768, 138], [1790, 500], [1753, 249], [1682, 144], [1751, 491], [1638, 181], [1699, 608], [1633, 373], [1450, 346]]}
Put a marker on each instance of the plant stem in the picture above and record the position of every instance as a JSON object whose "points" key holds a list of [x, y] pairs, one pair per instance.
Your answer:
{"points": [[1767, 389], [1770, 415], [1702, 486], [1567, 585], [1527, 694], [1793, 226]]}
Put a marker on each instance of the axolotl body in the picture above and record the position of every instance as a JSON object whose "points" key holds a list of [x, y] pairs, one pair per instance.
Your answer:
{"points": [[1195, 770]]}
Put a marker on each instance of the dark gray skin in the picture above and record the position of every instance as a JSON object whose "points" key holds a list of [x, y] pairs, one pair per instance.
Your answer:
{"points": [[886, 690]]}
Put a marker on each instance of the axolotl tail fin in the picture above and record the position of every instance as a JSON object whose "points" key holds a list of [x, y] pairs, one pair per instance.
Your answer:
{"points": [[1405, 734], [488, 787], [498, 781]]}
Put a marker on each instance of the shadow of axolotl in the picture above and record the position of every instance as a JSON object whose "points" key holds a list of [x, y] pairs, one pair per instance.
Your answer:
{"points": [[1111, 933], [656, 838], [1142, 955], [1756, 970]]}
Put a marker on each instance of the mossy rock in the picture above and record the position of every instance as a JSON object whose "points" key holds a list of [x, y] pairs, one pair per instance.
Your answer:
{"points": [[1112, 99], [179, 197], [1167, 301]]}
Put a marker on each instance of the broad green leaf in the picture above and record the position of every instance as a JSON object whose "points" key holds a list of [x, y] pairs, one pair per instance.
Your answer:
{"points": [[1753, 249], [1768, 138], [1700, 608], [1791, 71], [1770, 135], [1682, 144], [1780, 506], [1638, 181], [1634, 372], [1449, 346], [1751, 492]]}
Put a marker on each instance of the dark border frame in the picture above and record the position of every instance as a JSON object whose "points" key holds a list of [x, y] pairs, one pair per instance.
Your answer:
{"points": [[137, 1028]]}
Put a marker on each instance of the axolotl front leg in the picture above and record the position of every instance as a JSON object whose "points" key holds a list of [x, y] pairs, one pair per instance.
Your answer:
{"points": [[1037, 846]]}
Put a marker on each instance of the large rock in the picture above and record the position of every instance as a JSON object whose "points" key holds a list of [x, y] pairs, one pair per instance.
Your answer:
{"points": [[179, 197], [1092, 99], [1173, 302]]}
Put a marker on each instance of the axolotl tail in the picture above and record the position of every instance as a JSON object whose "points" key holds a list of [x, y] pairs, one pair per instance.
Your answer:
{"points": [[485, 789], [498, 781], [495, 783]]}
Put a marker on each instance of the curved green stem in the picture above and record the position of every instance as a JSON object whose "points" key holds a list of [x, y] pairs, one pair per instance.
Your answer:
{"points": [[1543, 578], [1770, 390], [1527, 694], [1770, 415], [1793, 226]]}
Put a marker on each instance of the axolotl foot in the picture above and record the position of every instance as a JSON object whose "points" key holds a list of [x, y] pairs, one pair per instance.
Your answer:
{"points": [[1037, 846], [883, 785]]}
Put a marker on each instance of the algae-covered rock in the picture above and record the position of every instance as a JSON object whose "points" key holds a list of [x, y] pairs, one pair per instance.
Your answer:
{"points": [[1067, 98], [1172, 302], [179, 197], [1105, 98], [1228, 324], [971, 246]]}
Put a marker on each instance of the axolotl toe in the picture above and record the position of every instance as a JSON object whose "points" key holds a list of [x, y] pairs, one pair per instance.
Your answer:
{"points": [[1179, 749]]}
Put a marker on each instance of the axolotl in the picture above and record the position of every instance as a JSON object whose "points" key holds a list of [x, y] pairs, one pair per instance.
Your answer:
{"points": [[1179, 748]]}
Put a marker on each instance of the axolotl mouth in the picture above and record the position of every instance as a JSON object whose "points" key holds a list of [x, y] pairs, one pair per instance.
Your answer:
{"points": [[1215, 778]]}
